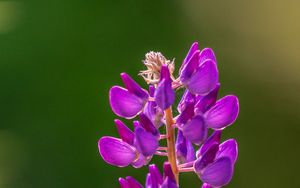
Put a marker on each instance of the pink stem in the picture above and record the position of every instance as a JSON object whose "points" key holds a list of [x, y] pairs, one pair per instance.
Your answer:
{"points": [[162, 148], [190, 169], [163, 136], [161, 153], [188, 164]]}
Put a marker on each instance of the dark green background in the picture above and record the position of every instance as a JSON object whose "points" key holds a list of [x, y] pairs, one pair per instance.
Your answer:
{"points": [[59, 58]]}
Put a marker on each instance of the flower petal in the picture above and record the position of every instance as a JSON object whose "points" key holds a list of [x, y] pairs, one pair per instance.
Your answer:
{"points": [[155, 174], [133, 183], [149, 183], [152, 111], [205, 185], [123, 183], [223, 113], [204, 79], [133, 87], [228, 148], [192, 50], [218, 173], [124, 103], [187, 98], [207, 158], [207, 53], [140, 161], [145, 142], [186, 114], [148, 125], [189, 68], [195, 130], [116, 152], [205, 102], [168, 171], [184, 149], [125, 133], [164, 94], [215, 137], [168, 183]]}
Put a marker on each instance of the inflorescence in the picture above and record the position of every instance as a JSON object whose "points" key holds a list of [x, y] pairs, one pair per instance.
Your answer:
{"points": [[191, 149]]}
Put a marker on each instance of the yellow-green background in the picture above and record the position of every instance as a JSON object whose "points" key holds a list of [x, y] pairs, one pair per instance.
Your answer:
{"points": [[59, 58]]}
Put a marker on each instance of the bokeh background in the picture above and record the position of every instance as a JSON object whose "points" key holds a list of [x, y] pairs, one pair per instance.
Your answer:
{"points": [[59, 58]]}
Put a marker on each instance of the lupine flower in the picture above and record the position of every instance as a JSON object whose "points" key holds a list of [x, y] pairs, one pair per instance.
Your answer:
{"points": [[198, 111], [216, 162], [135, 148], [184, 149], [129, 182], [129, 101], [154, 179], [152, 111], [199, 74], [164, 94]]}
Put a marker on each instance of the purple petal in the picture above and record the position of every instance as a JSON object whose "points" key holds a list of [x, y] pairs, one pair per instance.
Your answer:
{"points": [[195, 130], [223, 113], [189, 68], [148, 125], [125, 133], [123, 183], [207, 158], [184, 149], [205, 185], [145, 142], [133, 183], [215, 137], [168, 171], [116, 152], [187, 98], [155, 174], [152, 111], [192, 50], [229, 148], [204, 79], [164, 94], [168, 183], [140, 161], [136, 124], [186, 114], [218, 173], [124, 103], [205, 102], [149, 183], [207, 53], [133, 87]]}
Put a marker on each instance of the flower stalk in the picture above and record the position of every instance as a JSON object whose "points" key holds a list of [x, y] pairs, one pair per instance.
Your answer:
{"points": [[171, 143]]}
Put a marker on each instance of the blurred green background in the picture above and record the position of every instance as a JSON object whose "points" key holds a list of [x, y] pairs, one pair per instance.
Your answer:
{"points": [[58, 60]]}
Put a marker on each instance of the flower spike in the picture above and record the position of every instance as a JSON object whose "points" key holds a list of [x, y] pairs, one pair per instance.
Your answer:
{"points": [[200, 118]]}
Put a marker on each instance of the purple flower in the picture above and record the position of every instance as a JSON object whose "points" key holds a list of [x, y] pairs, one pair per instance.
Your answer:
{"points": [[154, 179], [199, 73], [129, 182], [135, 148], [198, 111], [164, 94], [184, 149], [129, 101], [215, 166], [152, 111]]}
